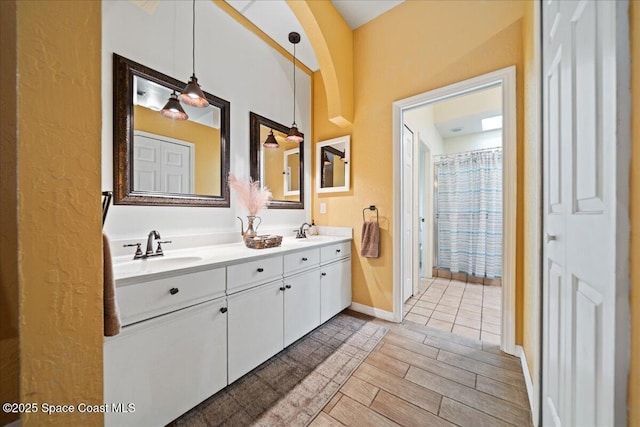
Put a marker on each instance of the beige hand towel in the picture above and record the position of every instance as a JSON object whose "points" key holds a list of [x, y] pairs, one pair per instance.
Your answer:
{"points": [[370, 239], [111, 316]]}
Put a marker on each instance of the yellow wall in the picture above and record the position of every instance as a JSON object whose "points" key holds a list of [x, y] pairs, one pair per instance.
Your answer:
{"points": [[59, 221], [390, 64], [532, 202], [634, 375], [9, 333], [205, 138]]}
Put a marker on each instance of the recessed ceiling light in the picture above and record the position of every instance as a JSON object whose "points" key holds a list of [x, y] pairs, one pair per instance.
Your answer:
{"points": [[491, 123], [458, 129]]}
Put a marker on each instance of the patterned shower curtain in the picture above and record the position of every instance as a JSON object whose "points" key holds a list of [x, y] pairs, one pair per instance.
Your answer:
{"points": [[469, 213]]}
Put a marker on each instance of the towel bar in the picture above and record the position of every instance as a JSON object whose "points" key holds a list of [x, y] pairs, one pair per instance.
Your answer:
{"points": [[371, 208]]}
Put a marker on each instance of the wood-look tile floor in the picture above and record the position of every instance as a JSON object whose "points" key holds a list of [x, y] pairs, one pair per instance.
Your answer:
{"points": [[466, 309], [422, 376]]}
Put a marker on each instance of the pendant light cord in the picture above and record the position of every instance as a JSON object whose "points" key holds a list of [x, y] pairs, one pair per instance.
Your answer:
{"points": [[193, 39], [294, 83]]}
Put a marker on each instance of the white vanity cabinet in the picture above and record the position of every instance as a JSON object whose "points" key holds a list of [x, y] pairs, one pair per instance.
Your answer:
{"points": [[255, 327], [189, 334], [335, 280], [167, 365]]}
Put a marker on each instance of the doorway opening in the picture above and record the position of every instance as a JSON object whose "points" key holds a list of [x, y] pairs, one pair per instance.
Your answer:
{"points": [[455, 200]]}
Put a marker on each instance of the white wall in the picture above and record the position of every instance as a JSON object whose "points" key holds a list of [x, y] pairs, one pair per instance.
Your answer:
{"points": [[473, 141], [469, 104], [420, 121], [232, 63]]}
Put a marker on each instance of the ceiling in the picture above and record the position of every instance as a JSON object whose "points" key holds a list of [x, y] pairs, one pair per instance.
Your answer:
{"points": [[276, 19], [359, 12]]}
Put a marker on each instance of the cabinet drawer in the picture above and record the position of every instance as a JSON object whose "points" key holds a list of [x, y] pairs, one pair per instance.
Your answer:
{"points": [[301, 260], [249, 274], [149, 299], [334, 252]]}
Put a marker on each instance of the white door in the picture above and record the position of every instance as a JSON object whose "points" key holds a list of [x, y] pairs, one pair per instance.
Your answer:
{"points": [[163, 164], [585, 197], [407, 213]]}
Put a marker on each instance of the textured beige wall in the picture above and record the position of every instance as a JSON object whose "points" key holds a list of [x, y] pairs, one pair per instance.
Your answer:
{"points": [[9, 344], [59, 220], [533, 201]]}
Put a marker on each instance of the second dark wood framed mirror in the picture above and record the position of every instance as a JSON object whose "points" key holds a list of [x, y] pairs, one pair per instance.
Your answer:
{"points": [[281, 168], [163, 161]]}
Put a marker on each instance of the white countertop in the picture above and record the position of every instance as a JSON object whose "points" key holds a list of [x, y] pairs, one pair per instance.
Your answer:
{"points": [[127, 271]]}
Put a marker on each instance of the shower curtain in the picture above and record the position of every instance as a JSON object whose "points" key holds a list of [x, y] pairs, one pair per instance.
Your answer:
{"points": [[469, 213]]}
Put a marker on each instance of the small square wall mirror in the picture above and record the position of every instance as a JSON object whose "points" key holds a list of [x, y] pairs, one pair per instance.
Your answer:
{"points": [[332, 165]]}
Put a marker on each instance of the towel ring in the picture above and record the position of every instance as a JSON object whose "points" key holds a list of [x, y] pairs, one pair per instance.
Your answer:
{"points": [[371, 208]]}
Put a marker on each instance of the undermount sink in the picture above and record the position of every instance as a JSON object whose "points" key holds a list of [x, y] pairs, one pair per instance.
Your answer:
{"points": [[310, 239], [151, 265]]}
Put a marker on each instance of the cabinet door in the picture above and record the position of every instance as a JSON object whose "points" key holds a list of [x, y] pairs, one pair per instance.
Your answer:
{"points": [[167, 365], [255, 327], [301, 305], [335, 288]]}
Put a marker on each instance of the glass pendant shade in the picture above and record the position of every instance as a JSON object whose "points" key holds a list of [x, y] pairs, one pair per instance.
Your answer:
{"points": [[193, 95], [173, 109], [271, 142], [294, 135]]}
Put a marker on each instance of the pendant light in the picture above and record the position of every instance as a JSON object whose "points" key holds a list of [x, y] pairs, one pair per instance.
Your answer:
{"points": [[173, 109], [294, 135], [271, 141], [192, 94]]}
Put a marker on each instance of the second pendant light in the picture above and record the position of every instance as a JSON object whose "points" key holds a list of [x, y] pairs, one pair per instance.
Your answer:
{"points": [[294, 135], [192, 94]]}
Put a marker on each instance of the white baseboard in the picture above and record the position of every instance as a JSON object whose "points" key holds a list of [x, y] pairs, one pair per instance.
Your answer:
{"points": [[530, 389], [372, 311]]}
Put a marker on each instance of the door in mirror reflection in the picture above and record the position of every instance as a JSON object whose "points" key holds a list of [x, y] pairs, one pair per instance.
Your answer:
{"points": [[174, 156]]}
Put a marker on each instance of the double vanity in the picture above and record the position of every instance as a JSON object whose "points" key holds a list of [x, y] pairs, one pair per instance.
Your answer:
{"points": [[197, 320]]}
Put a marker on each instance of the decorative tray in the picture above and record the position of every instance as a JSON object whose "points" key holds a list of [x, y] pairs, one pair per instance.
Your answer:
{"points": [[263, 242]]}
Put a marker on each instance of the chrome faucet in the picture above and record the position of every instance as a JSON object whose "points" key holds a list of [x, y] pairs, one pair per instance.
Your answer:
{"points": [[301, 233], [153, 235]]}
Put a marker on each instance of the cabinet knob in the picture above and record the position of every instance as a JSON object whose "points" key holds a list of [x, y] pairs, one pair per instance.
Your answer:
{"points": [[223, 310], [174, 291], [323, 274], [305, 259], [282, 288], [287, 286], [260, 270], [338, 251]]}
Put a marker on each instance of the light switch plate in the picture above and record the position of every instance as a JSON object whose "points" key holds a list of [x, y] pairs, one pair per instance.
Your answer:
{"points": [[323, 208]]}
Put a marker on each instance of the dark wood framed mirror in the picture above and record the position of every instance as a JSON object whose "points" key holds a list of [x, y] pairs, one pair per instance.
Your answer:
{"points": [[280, 169], [162, 161]]}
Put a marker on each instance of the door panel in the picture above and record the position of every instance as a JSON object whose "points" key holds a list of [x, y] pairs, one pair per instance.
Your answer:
{"points": [[584, 142], [587, 144]]}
